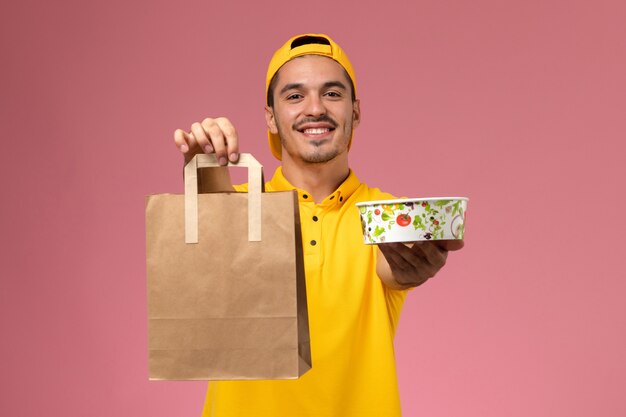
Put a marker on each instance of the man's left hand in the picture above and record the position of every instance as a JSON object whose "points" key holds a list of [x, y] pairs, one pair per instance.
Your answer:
{"points": [[403, 266]]}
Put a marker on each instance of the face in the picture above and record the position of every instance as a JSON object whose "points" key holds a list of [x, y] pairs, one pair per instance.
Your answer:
{"points": [[313, 111]]}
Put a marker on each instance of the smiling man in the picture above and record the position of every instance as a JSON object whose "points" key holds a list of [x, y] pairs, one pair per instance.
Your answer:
{"points": [[355, 291], [314, 117], [311, 118]]}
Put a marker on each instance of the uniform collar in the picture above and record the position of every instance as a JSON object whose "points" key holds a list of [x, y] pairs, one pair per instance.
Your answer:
{"points": [[338, 197]]}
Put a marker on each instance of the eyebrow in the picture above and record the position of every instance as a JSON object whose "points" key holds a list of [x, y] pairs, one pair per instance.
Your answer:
{"points": [[328, 84]]}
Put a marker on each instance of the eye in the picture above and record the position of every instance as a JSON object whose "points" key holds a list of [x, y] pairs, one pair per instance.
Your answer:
{"points": [[333, 94], [294, 96]]}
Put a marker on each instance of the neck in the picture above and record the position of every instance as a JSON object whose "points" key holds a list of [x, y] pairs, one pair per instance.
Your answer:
{"points": [[318, 179]]}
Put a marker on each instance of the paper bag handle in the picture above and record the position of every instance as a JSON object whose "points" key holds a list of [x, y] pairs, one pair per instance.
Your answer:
{"points": [[255, 184]]}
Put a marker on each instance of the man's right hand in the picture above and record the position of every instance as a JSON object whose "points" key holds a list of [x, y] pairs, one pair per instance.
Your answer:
{"points": [[209, 136]]}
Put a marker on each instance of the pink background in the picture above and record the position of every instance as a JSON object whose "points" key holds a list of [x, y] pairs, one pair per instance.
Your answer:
{"points": [[517, 104]]}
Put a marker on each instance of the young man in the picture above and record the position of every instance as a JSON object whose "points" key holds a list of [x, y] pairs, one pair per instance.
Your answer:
{"points": [[355, 291]]}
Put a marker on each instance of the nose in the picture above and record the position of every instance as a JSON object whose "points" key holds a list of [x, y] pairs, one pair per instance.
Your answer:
{"points": [[315, 105]]}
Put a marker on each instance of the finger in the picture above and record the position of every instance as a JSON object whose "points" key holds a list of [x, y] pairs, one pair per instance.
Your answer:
{"points": [[421, 262], [432, 253], [183, 141], [450, 245], [409, 261], [202, 138], [405, 265], [230, 138], [214, 131], [393, 257]]}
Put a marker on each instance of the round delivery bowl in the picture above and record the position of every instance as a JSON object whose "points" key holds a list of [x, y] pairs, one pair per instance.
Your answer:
{"points": [[413, 219]]}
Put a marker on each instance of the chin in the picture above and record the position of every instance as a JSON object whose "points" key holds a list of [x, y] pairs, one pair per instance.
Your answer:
{"points": [[318, 158], [316, 152], [320, 155]]}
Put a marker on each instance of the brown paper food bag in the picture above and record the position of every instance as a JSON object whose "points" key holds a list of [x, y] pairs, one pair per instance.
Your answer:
{"points": [[225, 275]]}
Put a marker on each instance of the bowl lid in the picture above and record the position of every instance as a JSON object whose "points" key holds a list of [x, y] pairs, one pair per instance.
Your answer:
{"points": [[409, 200]]}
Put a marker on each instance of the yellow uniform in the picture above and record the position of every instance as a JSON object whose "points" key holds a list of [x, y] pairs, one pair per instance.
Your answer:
{"points": [[352, 319]]}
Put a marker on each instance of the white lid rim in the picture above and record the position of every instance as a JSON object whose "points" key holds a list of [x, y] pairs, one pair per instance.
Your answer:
{"points": [[407, 200]]}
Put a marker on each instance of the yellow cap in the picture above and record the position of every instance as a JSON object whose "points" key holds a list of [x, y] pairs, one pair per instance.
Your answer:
{"points": [[307, 44]]}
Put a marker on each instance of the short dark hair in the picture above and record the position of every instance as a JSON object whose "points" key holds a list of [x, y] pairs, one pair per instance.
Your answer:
{"points": [[274, 81]]}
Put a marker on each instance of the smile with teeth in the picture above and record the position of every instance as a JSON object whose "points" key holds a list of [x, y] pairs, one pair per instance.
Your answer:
{"points": [[316, 131]]}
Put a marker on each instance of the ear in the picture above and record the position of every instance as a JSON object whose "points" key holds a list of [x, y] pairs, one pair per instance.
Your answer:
{"points": [[356, 113], [270, 120]]}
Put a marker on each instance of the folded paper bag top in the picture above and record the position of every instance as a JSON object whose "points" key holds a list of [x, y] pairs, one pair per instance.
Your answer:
{"points": [[255, 185]]}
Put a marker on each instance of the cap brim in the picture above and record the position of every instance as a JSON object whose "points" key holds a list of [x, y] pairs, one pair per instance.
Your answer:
{"points": [[275, 145]]}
